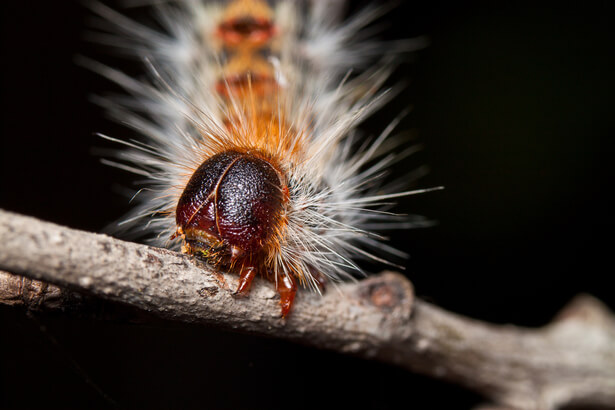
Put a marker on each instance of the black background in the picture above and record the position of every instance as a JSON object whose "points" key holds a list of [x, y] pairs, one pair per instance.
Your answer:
{"points": [[513, 105]]}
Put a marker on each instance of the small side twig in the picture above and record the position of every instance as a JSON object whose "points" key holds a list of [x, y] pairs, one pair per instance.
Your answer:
{"points": [[568, 362]]}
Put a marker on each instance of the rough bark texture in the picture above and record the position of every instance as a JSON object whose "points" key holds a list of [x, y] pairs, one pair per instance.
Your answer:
{"points": [[568, 362]]}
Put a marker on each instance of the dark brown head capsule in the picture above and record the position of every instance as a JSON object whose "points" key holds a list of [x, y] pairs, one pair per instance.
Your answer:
{"points": [[231, 206]]}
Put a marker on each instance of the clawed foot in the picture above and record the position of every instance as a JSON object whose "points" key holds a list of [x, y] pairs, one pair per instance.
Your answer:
{"points": [[287, 289], [246, 277]]}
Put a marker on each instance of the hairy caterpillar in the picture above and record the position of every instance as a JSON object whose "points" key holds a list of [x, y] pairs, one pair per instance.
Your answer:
{"points": [[251, 151]]}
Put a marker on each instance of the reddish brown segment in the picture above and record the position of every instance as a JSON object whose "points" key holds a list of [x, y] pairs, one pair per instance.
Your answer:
{"points": [[247, 29]]}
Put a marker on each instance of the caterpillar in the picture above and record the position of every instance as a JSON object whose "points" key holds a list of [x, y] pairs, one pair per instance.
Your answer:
{"points": [[250, 147]]}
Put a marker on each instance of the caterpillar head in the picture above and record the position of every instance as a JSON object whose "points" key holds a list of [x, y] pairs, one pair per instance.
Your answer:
{"points": [[232, 207]]}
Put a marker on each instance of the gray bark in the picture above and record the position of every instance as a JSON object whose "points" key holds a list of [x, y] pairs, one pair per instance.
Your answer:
{"points": [[568, 362]]}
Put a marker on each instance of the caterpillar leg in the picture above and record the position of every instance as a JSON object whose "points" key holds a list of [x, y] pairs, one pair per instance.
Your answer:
{"points": [[285, 285], [287, 288], [320, 279], [247, 275]]}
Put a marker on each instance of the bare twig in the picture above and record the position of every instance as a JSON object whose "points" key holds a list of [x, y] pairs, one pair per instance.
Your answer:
{"points": [[568, 362]]}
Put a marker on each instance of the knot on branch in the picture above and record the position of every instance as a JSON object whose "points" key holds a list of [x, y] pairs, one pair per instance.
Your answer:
{"points": [[17, 290]]}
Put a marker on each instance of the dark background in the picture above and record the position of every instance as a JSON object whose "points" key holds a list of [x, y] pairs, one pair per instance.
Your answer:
{"points": [[513, 105]]}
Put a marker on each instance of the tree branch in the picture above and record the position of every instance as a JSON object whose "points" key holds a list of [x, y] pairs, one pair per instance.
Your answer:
{"points": [[568, 362]]}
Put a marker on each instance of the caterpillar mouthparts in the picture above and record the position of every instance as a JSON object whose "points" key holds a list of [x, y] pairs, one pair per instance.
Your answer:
{"points": [[250, 145]]}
